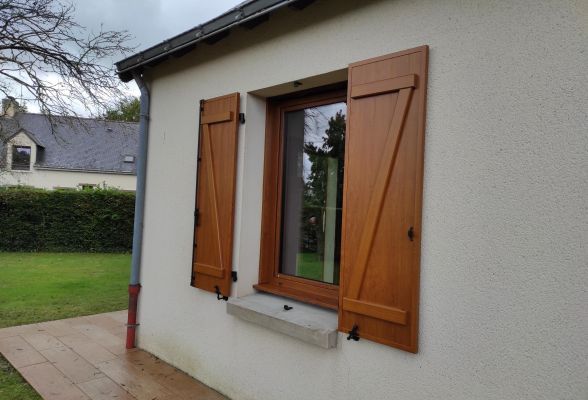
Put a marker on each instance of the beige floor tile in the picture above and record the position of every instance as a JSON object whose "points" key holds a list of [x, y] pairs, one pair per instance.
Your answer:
{"points": [[71, 364], [50, 383], [19, 353], [56, 328], [104, 389], [111, 342], [42, 341], [18, 330], [120, 316], [135, 380], [109, 324], [85, 347]]}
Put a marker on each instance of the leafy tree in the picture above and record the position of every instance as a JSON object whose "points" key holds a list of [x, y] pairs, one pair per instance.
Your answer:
{"points": [[127, 110], [315, 189], [57, 62]]}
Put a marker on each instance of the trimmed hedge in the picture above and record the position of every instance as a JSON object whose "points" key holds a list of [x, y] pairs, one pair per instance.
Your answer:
{"points": [[66, 221]]}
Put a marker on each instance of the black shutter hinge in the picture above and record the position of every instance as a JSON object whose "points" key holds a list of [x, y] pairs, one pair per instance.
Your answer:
{"points": [[192, 278], [242, 118], [219, 295], [196, 217], [411, 233], [234, 276], [353, 333]]}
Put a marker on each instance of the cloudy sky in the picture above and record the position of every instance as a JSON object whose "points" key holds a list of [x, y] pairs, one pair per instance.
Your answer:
{"points": [[149, 21]]}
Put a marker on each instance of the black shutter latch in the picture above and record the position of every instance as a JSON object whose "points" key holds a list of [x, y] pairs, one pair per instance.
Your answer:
{"points": [[219, 295], [353, 333], [411, 233]]}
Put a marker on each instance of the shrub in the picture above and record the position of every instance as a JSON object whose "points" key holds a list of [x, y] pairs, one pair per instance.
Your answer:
{"points": [[66, 221]]}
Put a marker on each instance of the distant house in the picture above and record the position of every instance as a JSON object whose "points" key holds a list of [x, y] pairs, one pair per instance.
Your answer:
{"points": [[75, 154]]}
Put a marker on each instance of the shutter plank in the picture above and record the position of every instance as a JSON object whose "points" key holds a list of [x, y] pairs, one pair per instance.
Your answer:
{"points": [[383, 87], [378, 193], [216, 118], [215, 194], [380, 264], [209, 270], [391, 314]]}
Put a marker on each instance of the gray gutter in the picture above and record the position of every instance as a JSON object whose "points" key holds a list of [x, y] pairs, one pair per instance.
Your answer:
{"points": [[134, 285], [141, 179], [248, 14]]}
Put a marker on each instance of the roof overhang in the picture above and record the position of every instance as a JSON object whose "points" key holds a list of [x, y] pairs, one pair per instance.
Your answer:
{"points": [[248, 15], [28, 134]]}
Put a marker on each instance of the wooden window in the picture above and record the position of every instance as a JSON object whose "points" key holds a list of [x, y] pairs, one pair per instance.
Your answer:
{"points": [[302, 197], [215, 195], [379, 294]]}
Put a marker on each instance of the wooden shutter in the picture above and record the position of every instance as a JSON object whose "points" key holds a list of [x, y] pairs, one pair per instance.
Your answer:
{"points": [[379, 293], [215, 194]]}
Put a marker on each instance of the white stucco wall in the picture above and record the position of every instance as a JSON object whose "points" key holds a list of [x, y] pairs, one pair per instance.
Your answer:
{"points": [[504, 271], [51, 179]]}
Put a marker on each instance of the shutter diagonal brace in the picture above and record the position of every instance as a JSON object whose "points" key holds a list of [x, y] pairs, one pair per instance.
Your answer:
{"points": [[374, 210], [206, 121], [213, 194]]}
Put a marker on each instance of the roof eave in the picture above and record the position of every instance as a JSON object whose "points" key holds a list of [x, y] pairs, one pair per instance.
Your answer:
{"points": [[249, 14]]}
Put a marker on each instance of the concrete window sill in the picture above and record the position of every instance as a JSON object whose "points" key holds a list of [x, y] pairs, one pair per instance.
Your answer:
{"points": [[310, 324]]}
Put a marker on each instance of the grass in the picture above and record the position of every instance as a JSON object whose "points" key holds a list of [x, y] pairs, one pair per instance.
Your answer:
{"points": [[310, 266], [12, 385], [37, 287]]}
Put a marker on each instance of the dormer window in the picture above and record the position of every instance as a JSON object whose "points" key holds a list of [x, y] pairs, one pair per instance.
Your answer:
{"points": [[129, 159], [21, 158]]}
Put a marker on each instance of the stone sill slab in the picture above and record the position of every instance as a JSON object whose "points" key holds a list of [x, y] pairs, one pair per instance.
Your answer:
{"points": [[305, 322]]}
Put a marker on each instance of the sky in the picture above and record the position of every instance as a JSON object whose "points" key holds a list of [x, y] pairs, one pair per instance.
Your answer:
{"points": [[147, 21]]}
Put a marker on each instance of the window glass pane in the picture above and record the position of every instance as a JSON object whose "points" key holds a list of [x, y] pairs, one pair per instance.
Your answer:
{"points": [[21, 157], [313, 192]]}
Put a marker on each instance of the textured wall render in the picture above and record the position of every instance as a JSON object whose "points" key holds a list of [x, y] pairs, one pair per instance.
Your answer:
{"points": [[505, 219]]}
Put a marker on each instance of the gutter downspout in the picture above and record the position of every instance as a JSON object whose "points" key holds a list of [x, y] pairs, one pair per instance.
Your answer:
{"points": [[134, 285]]}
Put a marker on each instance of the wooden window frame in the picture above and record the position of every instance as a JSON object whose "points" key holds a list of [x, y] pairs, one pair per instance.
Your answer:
{"points": [[270, 279]]}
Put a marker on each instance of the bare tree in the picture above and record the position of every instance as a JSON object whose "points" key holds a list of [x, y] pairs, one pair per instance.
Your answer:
{"points": [[57, 62]]}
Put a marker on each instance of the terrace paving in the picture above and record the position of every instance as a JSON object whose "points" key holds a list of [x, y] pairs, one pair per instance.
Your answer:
{"points": [[85, 358]]}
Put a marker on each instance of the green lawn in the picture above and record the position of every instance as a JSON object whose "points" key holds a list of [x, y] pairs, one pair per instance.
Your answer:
{"points": [[310, 266], [37, 287]]}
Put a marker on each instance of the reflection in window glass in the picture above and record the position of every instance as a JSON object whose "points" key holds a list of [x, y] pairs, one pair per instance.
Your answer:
{"points": [[314, 144], [21, 158]]}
